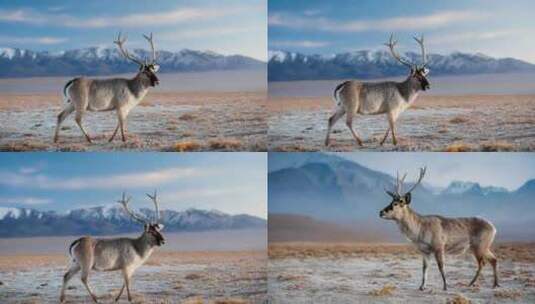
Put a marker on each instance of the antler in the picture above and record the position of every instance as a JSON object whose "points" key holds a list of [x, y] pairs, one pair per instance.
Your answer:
{"points": [[124, 201], [391, 44], [422, 47], [156, 206], [420, 177], [399, 183], [120, 42], [149, 39]]}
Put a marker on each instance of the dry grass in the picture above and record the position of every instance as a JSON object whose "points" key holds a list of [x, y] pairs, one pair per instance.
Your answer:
{"points": [[189, 145], [317, 250], [459, 120], [291, 148], [516, 252], [193, 276], [496, 146], [508, 294], [224, 144], [24, 146], [459, 147], [289, 277], [230, 301], [199, 300], [187, 117], [193, 300], [385, 291], [458, 299]]}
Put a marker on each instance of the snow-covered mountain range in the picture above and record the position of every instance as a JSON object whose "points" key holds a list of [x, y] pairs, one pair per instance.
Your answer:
{"points": [[283, 65], [110, 220], [460, 187], [16, 62]]}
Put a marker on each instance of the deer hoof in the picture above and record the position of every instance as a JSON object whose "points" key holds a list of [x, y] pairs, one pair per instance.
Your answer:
{"points": [[496, 285], [422, 288]]}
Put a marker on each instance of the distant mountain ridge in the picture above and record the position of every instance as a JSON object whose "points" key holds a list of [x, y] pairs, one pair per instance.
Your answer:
{"points": [[16, 222], [366, 64], [330, 188], [16, 62]]}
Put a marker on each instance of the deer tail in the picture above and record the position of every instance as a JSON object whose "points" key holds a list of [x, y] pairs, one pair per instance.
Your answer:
{"points": [[66, 97], [74, 244], [336, 96]]}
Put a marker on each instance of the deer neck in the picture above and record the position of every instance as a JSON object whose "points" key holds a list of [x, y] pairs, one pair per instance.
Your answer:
{"points": [[408, 89], [139, 85], [143, 245], [410, 224]]}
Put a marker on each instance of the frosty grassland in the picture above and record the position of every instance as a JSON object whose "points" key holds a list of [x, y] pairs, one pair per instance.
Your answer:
{"points": [[463, 113], [193, 267], [389, 273], [216, 111]]}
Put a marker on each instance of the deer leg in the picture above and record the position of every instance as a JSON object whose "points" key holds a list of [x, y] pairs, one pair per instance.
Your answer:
{"points": [[66, 278], [392, 122], [120, 293], [424, 272], [114, 132], [121, 115], [61, 117], [127, 276], [332, 120], [494, 262], [386, 135], [78, 120], [85, 275], [349, 123], [439, 256], [480, 264]]}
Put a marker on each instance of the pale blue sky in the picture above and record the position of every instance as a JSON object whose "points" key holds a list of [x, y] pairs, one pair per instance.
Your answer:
{"points": [[227, 27], [230, 182], [494, 27], [509, 170]]}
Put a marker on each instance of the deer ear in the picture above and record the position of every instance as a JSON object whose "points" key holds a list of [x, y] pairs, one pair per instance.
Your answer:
{"points": [[408, 198], [146, 227], [159, 227]]}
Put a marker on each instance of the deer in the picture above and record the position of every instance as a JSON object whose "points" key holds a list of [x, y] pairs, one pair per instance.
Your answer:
{"points": [[435, 235], [124, 254], [374, 98], [113, 94]]}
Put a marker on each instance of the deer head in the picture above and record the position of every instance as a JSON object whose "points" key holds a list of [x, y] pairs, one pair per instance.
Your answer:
{"points": [[417, 72], [400, 199], [148, 68], [151, 229]]}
